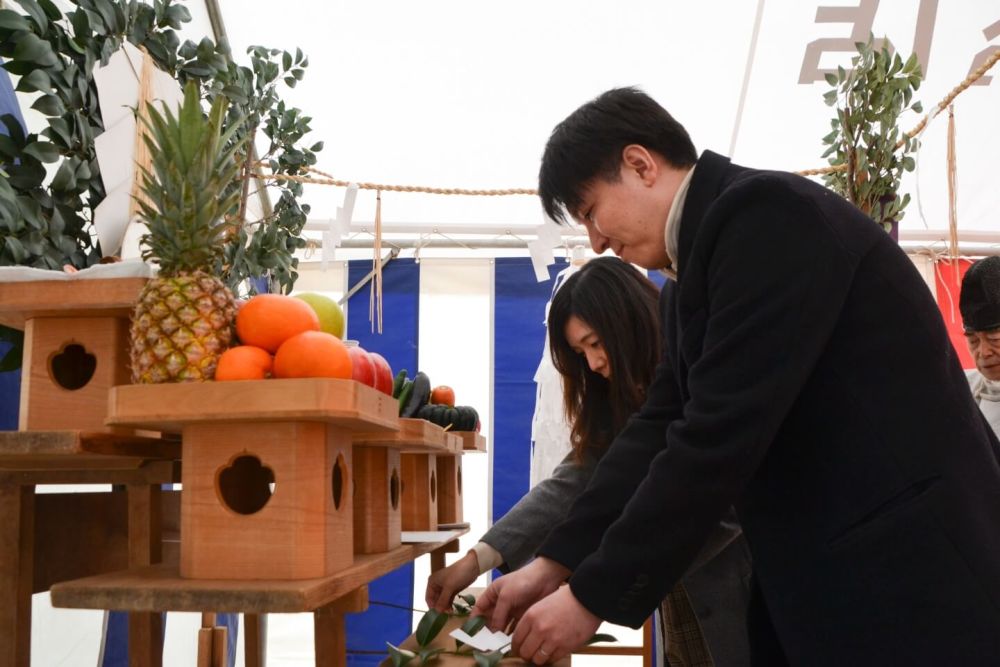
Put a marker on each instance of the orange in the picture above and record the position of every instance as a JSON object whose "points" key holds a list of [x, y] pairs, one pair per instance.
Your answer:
{"points": [[244, 362], [313, 354], [268, 320]]}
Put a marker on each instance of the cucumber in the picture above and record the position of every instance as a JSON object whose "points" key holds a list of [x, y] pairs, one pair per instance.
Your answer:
{"points": [[397, 383], [404, 396], [419, 396]]}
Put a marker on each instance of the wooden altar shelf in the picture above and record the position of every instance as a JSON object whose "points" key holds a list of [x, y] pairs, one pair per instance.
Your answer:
{"points": [[46, 449], [472, 441], [21, 301], [58, 536], [268, 475], [414, 435], [161, 588], [168, 407]]}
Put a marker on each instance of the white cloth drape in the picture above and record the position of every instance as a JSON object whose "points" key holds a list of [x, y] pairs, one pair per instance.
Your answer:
{"points": [[550, 432]]}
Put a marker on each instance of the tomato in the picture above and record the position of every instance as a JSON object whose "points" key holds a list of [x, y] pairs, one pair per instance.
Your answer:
{"points": [[443, 395]]}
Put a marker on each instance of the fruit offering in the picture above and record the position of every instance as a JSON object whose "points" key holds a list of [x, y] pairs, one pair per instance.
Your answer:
{"points": [[313, 354], [182, 321], [329, 312], [268, 320], [244, 362], [383, 373]]}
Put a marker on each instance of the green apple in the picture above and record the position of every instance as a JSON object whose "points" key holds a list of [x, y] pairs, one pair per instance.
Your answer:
{"points": [[331, 315]]}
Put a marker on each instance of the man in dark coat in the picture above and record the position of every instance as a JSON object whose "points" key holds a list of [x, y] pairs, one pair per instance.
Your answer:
{"points": [[808, 381]]}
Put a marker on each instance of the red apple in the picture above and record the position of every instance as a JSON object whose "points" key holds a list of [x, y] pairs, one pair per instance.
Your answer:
{"points": [[363, 370], [383, 373]]}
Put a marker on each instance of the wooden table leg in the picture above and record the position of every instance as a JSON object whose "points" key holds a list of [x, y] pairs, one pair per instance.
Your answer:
{"points": [[328, 626], [437, 559], [330, 639], [648, 660], [213, 647], [145, 630], [255, 639], [17, 526]]}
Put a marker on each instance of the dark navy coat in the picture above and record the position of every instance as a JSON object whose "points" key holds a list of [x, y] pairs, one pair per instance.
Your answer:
{"points": [[808, 381]]}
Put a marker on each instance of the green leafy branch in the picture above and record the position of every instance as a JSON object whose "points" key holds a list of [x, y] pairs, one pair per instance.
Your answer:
{"points": [[433, 621], [865, 140], [47, 225]]}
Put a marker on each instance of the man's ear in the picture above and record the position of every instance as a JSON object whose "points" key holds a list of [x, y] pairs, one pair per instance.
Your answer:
{"points": [[638, 159]]}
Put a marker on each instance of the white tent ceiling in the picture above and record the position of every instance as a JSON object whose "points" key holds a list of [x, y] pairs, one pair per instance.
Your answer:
{"points": [[454, 93]]}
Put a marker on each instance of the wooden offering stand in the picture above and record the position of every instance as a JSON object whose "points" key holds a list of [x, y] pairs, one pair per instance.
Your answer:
{"points": [[449, 474], [76, 349], [472, 441], [449, 479], [160, 588], [267, 471], [418, 441]]}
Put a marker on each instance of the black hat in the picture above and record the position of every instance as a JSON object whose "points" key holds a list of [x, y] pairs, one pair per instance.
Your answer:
{"points": [[980, 298]]}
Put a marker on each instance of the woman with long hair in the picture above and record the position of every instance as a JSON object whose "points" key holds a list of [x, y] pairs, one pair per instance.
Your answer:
{"points": [[604, 339]]}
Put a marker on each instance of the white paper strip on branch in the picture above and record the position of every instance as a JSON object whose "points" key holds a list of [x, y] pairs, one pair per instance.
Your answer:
{"points": [[549, 232], [339, 226], [484, 640], [541, 258]]}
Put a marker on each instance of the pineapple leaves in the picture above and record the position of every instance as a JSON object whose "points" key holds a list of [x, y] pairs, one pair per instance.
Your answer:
{"points": [[193, 133], [189, 189]]}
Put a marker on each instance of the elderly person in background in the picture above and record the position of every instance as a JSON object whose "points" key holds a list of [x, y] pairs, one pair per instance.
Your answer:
{"points": [[980, 306]]}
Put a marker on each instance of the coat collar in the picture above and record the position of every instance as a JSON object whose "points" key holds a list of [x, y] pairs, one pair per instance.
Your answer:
{"points": [[709, 178]]}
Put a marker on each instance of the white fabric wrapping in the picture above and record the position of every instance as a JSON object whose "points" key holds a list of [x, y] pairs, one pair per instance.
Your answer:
{"points": [[550, 432]]}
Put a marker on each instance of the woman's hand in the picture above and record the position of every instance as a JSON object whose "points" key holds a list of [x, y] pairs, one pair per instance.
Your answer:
{"points": [[446, 583]]}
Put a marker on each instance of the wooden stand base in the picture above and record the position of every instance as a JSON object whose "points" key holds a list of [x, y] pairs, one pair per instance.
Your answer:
{"points": [[377, 488], [449, 477], [266, 501], [420, 492]]}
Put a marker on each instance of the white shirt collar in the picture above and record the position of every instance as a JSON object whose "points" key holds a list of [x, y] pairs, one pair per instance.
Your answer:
{"points": [[672, 230]]}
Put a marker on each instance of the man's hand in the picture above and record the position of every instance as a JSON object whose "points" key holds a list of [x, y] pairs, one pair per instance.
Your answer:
{"points": [[443, 585], [510, 596], [553, 628]]}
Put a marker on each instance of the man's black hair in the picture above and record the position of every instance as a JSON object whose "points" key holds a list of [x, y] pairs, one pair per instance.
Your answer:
{"points": [[590, 141]]}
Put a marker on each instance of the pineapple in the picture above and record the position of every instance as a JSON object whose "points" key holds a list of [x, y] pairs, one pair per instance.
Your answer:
{"points": [[183, 319]]}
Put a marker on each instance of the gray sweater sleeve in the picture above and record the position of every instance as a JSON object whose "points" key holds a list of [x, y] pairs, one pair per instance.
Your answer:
{"points": [[519, 533]]}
